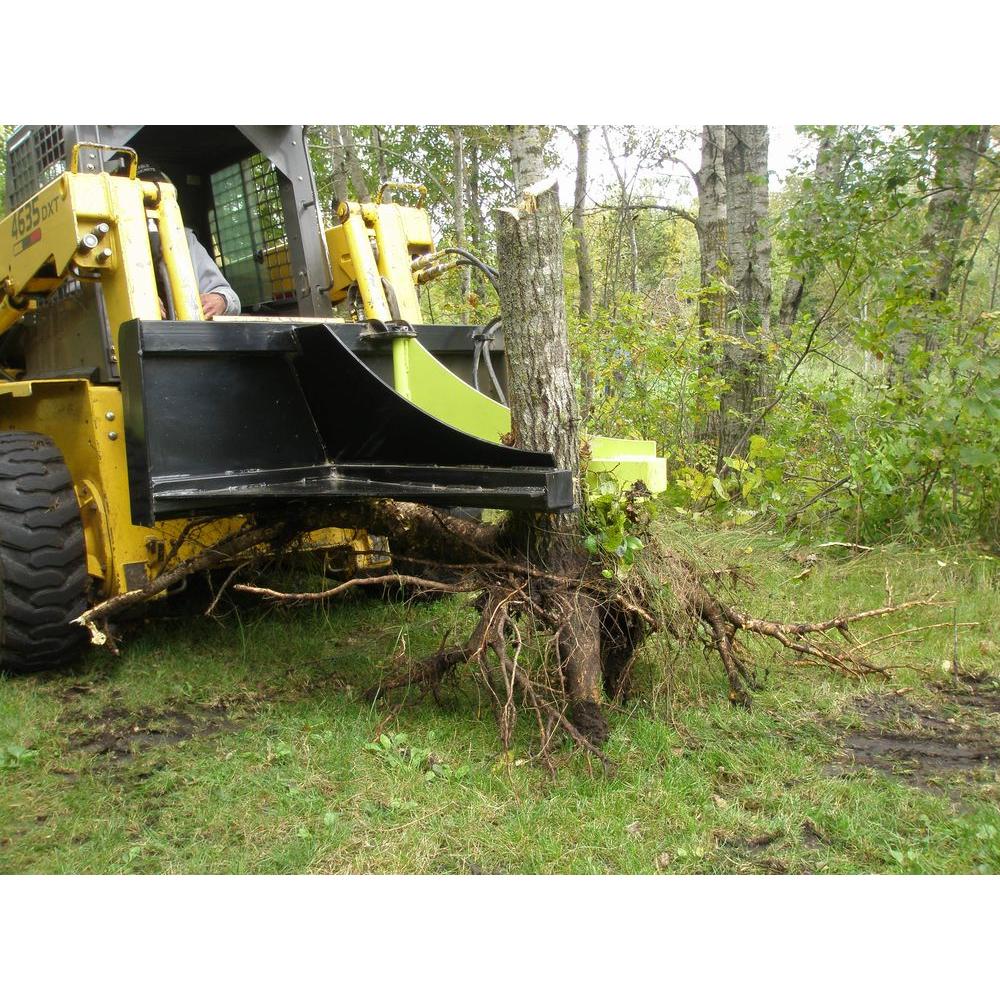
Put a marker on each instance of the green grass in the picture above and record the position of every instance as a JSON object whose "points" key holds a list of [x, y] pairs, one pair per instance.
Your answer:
{"points": [[280, 774]]}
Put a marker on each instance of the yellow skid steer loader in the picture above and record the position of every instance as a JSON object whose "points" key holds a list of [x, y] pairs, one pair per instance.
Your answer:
{"points": [[134, 433]]}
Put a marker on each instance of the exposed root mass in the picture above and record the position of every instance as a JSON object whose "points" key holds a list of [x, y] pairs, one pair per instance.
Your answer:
{"points": [[557, 645]]}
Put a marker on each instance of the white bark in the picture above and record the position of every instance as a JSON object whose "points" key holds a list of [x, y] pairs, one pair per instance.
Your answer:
{"points": [[526, 155], [357, 175], [458, 209], [711, 224]]}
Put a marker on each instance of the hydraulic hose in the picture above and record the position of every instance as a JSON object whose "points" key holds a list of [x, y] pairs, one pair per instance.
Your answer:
{"points": [[483, 337], [490, 272]]}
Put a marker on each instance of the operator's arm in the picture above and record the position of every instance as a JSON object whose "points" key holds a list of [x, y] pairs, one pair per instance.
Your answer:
{"points": [[210, 279]]}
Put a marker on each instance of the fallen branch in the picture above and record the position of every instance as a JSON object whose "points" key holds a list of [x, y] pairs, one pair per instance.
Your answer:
{"points": [[361, 581], [219, 554], [918, 628]]}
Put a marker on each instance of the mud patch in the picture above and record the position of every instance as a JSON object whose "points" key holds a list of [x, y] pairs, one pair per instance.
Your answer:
{"points": [[118, 734], [921, 744], [979, 692]]}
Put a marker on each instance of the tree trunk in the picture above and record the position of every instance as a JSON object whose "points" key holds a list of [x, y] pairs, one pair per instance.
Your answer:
{"points": [[583, 264], [543, 408], [828, 167], [956, 156], [357, 175], [527, 155], [478, 222], [710, 226], [338, 166], [458, 211], [956, 159], [749, 252], [383, 170]]}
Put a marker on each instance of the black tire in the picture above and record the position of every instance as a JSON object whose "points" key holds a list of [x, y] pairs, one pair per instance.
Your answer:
{"points": [[43, 561]]}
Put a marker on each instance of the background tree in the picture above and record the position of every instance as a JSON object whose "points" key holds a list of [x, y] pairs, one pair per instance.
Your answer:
{"points": [[748, 250], [458, 201], [710, 182]]}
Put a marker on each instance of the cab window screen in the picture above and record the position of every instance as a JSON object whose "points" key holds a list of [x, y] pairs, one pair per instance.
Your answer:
{"points": [[35, 161], [248, 231]]}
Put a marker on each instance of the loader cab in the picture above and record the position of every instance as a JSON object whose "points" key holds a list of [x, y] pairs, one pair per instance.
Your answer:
{"points": [[237, 188], [248, 194]]}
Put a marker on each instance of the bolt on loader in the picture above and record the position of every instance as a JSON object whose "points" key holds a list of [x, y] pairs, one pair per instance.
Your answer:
{"points": [[135, 434]]}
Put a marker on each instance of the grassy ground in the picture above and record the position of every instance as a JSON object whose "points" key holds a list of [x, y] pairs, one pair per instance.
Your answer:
{"points": [[245, 746]]}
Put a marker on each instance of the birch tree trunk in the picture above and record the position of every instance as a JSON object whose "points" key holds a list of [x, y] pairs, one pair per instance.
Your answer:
{"points": [[543, 406], [749, 251], [458, 211], [527, 155], [338, 166], [956, 156], [956, 159], [357, 175], [710, 227], [710, 182], [584, 266]]}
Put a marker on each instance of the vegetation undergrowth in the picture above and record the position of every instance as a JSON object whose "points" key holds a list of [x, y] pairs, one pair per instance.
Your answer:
{"points": [[245, 745]]}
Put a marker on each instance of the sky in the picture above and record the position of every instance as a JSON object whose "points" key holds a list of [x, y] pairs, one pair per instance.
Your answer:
{"points": [[673, 181]]}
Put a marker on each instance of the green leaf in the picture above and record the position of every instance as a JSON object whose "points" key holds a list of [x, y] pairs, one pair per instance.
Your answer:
{"points": [[977, 458], [757, 445]]}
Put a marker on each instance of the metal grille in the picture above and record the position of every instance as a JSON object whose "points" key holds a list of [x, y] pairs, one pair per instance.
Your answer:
{"points": [[248, 231], [38, 158]]}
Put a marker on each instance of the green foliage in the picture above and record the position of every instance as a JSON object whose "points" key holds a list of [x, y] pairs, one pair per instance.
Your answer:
{"points": [[397, 752], [932, 455], [13, 756], [879, 418], [614, 518], [751, 487]]}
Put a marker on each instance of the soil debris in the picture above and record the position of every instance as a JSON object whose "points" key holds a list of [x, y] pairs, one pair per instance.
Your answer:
{"points": [[918, 743], [812, 835], [118, 734]]}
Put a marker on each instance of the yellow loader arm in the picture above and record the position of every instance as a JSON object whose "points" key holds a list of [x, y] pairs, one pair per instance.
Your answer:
{"points": [[96, 227]]}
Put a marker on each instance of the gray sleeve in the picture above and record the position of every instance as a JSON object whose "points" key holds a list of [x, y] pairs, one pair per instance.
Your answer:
{"points": [[209, 277]]}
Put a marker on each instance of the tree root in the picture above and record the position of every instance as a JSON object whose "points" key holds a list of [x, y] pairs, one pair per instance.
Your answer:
{"points": [[554, 645]]}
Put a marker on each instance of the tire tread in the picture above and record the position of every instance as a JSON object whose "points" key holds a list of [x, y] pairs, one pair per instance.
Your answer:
{"points": [[43, 565]]}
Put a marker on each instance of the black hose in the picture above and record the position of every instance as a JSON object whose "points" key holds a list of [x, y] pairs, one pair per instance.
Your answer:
{"points": [[490, 272], [483, 336]]}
